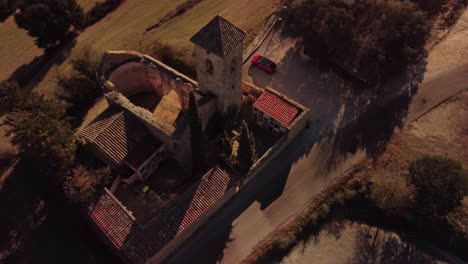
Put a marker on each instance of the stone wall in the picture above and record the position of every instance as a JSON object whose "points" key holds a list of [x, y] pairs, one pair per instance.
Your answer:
{"points": [[223, 83], [295, 128]]}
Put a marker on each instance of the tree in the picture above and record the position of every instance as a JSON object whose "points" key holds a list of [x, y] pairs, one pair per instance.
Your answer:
{"points": [[40, 129], [7, 7], [81, 87], [439, 183], [197, 138], [246, 153], [226, 146], [50, 22], [82, 184]]}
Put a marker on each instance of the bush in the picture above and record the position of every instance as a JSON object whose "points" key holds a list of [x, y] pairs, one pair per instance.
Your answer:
{"points": [[391, 195], [174, 58], [99, 11], [440, 184], [81, 87], [82, 184]]}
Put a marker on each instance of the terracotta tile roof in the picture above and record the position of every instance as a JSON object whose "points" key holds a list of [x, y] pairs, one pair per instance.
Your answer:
{"points": [[219, 36], [109, 216], [140, 243], [114, 133], [276, 107]]}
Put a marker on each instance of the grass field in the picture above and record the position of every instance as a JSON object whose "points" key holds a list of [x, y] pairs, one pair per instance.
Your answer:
{"points": [[125, 27], [17, 47]]}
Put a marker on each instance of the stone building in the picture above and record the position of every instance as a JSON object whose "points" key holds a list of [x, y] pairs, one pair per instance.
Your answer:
{"points": [[218, 56], [149, 98]]}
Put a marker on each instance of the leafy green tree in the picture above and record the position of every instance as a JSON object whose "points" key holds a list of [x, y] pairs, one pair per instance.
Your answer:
{"points": [[439, 182], [82, 184], [41, 131], [81, 87], [198, 139], [246, 153], [50, 22]]}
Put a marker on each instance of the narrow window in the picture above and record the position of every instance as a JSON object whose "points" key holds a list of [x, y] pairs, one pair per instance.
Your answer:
{"points": [[209, 66], [233, 65]]}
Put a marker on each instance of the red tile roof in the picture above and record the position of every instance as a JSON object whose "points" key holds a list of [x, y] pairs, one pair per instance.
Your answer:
{"points": [[138, 243], [276, 107], [113, 220]]}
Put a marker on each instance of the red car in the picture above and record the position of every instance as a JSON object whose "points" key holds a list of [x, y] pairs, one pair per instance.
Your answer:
{"points": [[264, 64]]}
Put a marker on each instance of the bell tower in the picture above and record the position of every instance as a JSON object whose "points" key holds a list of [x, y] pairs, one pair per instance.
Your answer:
{"points": [[218, 57]]}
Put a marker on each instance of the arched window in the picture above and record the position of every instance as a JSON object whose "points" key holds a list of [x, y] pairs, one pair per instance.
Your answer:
{"points": [[209, 66], [233, 65]]}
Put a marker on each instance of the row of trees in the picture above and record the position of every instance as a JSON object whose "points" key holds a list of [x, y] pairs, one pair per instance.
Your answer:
{"points": [[376, 38]]}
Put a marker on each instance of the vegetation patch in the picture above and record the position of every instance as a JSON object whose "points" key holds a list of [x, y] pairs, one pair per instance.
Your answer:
{"points": [[99, 11], [372, 40], [179, 10]]}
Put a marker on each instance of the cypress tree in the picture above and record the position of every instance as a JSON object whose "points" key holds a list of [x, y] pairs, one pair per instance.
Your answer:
{"points": [[246, 152], [197, 138]]}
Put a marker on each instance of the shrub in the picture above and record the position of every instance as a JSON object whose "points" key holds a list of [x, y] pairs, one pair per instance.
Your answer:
{"points": [[99, 11], [81, 87], [439, 182], [175, 58], [391, 195], [82, 184]]}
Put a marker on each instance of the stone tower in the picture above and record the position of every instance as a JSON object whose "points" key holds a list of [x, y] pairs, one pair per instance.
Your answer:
{"points": [[218, 56]]}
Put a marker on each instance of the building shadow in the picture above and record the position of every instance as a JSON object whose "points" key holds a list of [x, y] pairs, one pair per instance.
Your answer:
{"points": [[32, 73], [259, 77]]}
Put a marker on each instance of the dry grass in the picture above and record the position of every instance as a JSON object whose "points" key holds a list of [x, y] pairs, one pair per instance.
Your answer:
{"points": [[88, 4], [16, 48], [125, 27]]}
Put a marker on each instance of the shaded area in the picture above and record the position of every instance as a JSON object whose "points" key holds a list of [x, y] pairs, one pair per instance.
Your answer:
{"points": [[35, 225], [166, 184], [31, 74]]}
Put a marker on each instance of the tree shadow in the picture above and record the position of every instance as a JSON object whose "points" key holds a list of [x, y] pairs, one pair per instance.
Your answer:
{"points": [[31, 74], [375, 246]]}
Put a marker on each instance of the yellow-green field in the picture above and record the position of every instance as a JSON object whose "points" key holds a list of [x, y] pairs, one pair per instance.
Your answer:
{"points": [[87, 4], [17, 47], [125, 29]]}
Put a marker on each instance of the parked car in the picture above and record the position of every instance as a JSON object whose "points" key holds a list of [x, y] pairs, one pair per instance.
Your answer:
{"points": [[264, 64]]}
